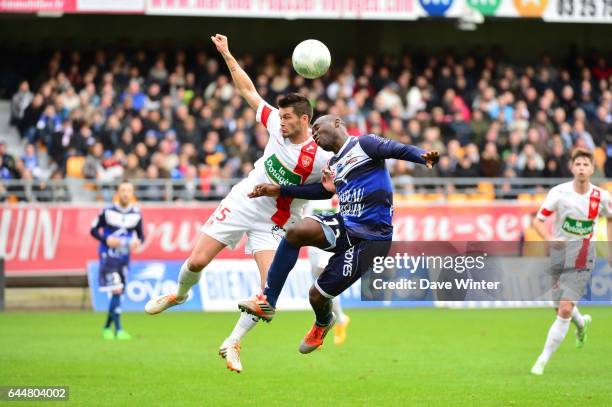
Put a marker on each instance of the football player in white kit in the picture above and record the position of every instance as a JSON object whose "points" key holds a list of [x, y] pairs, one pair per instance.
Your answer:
{"points": [[291, 157], [319, 258], [576, 205]]}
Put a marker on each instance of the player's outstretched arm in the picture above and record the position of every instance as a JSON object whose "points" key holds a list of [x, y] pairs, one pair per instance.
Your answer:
{"points": [[307, 191], [381, 148], [243, 83]]}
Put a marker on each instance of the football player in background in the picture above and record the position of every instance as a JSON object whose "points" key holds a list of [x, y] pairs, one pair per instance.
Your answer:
{"points": [[577, 205], [118, 228]]}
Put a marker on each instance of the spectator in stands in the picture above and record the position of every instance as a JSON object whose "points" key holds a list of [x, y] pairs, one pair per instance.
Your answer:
{"points": [[8, 168], [20, 102]]}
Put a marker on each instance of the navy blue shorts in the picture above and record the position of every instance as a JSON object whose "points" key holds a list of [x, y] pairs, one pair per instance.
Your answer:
{"points": [[112, 274], [352, 257]]}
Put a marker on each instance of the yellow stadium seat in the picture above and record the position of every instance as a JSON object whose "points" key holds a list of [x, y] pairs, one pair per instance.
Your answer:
{"points": [[486, 188], [607, 186], [525, 198], [540, 197], [74, 167], [599, 154], [481, 197], [457, 197], [433, 197]]}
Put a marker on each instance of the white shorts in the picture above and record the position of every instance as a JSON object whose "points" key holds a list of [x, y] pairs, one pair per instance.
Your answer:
{"points": [[570, 284], [234, 217], [318, 258]]}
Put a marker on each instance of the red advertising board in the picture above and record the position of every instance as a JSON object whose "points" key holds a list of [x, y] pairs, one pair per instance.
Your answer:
{"points": [[33, 6], [73, 6], [41, 239]]}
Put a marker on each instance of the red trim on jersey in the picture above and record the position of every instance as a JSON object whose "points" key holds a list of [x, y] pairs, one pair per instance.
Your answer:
{"points": [[546, 212], [265, 113], [305, 163], [581, 260]]}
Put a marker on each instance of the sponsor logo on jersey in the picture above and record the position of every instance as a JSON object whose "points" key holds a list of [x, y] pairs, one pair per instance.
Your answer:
{"points": [[347, 267], [578, 227], [279, 173]]}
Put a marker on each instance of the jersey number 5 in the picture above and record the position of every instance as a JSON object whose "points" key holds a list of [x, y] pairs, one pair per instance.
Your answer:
{"points": [[222, 214]]}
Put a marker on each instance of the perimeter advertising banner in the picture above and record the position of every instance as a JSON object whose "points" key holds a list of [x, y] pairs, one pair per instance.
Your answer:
{"points": [[570, 11], [46, 239], [225, 282]]}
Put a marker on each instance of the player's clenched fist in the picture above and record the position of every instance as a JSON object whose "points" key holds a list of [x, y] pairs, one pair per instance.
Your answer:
{"points": [[327, 180], [431, 158], [220, 42], [265, 190]]}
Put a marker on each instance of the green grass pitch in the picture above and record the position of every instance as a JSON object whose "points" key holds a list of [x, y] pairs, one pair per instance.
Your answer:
{"points": [[391, 357]]}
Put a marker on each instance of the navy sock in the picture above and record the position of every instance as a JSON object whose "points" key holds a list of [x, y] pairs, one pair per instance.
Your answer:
{"points": [[114, 311], [284, 261], [323, 313], [109, 320]]}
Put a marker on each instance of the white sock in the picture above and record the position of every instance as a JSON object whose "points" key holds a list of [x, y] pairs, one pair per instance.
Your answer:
{"points": [[186, 280], [577, 318], [245, 323], [556, 334], [337, 309]]}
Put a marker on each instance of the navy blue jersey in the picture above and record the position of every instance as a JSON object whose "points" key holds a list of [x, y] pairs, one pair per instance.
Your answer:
{"points": [[363, 184], [122, 223]]}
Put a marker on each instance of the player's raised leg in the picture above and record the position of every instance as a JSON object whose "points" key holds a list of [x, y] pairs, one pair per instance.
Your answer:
{"points": [[318, 260], [230, 348], [202, 254], [306, 232], [556, 335], [324, 320]]}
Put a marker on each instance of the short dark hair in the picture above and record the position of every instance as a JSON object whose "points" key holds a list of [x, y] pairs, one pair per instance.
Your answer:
{"points": [[299, 103], [581, 152]]}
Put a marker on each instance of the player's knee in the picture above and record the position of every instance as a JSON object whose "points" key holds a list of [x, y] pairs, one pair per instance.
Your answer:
{"points": [[295, 235], [565, 309], [196, 263], [315, 297]]}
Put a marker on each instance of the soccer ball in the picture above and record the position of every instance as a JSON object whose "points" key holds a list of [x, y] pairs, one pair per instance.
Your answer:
{"points": [[311, 59]]}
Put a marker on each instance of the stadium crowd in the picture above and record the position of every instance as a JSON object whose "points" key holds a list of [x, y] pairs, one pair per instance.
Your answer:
{"points": [[138, 115]]}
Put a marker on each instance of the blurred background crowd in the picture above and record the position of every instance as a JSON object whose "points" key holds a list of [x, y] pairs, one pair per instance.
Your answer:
{"points": [[109, 116]]}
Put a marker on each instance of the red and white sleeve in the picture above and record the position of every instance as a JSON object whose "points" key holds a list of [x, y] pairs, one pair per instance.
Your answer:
{"points": [[267, 115], [549, 206]]}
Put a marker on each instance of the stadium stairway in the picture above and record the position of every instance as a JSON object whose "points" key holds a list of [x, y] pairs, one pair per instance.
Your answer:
{"points": [[8, 133]]}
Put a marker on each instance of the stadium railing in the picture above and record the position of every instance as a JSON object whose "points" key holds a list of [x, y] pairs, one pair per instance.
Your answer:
{"points": [[407, 188]]}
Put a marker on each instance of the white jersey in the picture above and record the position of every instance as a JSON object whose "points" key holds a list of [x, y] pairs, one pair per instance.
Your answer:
{"points": [[575, 216], [282, 163]]}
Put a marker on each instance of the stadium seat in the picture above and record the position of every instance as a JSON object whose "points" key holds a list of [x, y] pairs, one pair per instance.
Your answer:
{"points": [[74, 167], [525, 198], [539, 197], [457, 197], [481, 197], [486, 188], [607, 186], [433, 197], [599, 155]]}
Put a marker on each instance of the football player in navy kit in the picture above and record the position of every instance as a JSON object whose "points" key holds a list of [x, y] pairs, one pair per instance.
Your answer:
{"points": [[361, 230], [118, 228]]}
